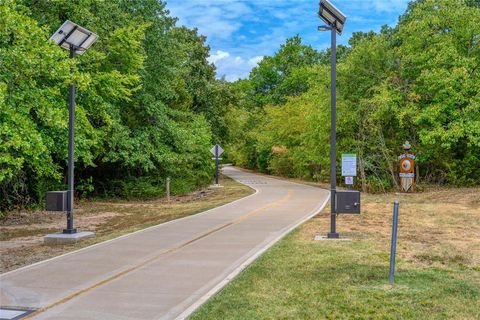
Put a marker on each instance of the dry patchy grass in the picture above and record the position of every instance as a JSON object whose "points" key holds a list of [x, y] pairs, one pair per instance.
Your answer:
{"points": [[438, 265], [435, 227]]}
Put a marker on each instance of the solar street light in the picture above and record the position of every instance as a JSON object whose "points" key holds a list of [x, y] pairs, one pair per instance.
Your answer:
{"points": [[77, 40], [335, 21], [332, 16], [71, 36]]}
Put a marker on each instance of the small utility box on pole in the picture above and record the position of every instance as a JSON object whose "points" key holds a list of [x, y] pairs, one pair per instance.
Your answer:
{"points": [[348, 201], [216, 151], [57, 201]]}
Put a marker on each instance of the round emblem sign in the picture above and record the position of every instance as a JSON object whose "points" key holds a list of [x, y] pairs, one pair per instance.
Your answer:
{"points": [[406, 165]]}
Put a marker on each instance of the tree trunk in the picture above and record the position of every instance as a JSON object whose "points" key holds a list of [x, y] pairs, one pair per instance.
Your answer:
{"points": [[361, 158], [387, 159]]}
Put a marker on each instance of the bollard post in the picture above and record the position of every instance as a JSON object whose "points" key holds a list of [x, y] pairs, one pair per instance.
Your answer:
{"points": [[393, 247], [168, 189]]}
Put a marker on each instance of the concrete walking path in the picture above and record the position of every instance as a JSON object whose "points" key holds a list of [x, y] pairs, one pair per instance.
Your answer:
{"points": [[166, 271]]}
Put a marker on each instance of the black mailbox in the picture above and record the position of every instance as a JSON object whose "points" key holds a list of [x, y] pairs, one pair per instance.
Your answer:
{"points": [[56, 201], [348, 201]]}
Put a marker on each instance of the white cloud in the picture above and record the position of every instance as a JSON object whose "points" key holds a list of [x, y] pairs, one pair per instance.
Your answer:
{"points": [[241, 32], [255, 60], [233, 67], [213, 18], [218, 56], [236, 67], [368, 7]]}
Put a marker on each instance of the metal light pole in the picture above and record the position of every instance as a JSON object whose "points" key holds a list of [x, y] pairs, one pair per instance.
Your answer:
{"points": [[333, 137], [77, 40], [335, 21], [71, 145]]}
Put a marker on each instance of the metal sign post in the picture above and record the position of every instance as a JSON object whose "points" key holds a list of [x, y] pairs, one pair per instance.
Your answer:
{"points": [[216, 164], [216, 151]]}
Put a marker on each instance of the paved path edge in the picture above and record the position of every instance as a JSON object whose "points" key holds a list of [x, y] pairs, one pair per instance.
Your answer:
{"points": [[129, 234], [190, 310]]}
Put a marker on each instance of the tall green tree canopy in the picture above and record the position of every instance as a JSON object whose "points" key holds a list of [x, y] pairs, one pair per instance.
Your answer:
{"points": [[147, 100], [418, 81]]}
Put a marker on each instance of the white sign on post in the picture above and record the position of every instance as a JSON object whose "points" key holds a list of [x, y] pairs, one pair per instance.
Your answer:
{"points": [[220, 150], [349, 165], [348, 180]]}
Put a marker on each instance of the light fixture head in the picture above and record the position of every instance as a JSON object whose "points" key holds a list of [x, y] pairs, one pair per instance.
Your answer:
{"points": [[324, 28], [71, 34], [331, 15]]}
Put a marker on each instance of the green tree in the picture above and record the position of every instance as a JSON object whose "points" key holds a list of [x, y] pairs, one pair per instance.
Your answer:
{"points": [[268, 78], [146, 100], [417, 81], [32, 113]]}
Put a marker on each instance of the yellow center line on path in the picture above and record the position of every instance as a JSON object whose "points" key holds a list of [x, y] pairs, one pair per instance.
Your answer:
{"points": [[142, 264]]}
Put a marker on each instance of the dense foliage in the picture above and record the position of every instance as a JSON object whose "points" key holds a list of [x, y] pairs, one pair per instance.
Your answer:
{"points": [[147, 101], [149, 106], [418, 81]]}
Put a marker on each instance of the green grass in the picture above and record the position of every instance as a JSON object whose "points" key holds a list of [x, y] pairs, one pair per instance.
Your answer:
{"points": [[342, 280], [437, 276]]}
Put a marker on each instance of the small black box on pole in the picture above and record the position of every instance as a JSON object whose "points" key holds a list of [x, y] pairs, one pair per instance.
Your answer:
{"points": [[348, 201], [56, 201]]}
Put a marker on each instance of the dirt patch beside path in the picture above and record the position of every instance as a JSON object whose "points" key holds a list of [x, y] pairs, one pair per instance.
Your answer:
{"points": [[21, 233]]}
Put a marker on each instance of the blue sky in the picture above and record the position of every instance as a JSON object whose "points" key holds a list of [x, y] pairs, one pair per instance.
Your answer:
{"points": [[241, 32]]}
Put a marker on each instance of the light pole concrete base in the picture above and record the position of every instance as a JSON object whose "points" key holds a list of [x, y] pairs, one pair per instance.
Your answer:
{"points": [[323, 238], [65, 238], [215, 186]]}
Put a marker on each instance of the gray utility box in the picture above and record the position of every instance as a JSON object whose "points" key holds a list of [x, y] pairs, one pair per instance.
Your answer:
{"points": [[57, 201], [348, 201]]}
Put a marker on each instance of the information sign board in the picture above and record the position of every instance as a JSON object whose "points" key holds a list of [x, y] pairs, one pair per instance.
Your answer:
{"points": [[349, 165]]}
